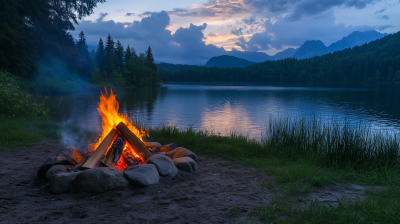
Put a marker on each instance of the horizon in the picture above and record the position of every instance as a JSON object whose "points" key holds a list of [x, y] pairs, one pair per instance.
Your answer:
{"points": [[178, 28]]}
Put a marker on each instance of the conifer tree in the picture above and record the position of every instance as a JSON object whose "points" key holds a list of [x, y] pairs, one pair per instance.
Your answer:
{"points": [[81, 44], [128, 54], [109, 60], [119, 56], [100, 55], [149, 62]]}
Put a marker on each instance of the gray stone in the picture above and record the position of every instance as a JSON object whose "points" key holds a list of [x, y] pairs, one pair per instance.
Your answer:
{"points": [[72, 154], [57, 169], [152, 144], [142, 175], [99, 179], [62, 182], [164, 165], [56, 160], [186, 164], [181, 152], [167, 148], [89, 150]]}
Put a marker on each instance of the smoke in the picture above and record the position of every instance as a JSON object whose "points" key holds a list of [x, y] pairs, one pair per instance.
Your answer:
{"points": [[78, 136]]}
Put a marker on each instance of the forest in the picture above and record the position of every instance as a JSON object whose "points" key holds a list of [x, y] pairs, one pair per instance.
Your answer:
{"points": [[377, 61], [36, 46]]}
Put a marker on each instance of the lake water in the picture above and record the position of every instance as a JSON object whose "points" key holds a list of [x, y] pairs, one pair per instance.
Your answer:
{"points": [[244, 108]]}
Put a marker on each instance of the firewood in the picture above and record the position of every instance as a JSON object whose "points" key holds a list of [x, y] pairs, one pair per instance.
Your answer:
{"points": [[101, 150], [134, 141], [113, 155]]}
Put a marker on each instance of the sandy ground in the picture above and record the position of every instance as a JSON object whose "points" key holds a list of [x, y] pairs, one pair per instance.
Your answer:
{"points": [[204, 197]]}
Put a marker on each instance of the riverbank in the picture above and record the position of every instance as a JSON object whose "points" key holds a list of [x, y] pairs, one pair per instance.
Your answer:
{"points": [[290, 181]]}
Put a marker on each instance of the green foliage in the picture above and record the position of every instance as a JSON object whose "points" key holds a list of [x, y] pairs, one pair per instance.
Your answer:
{"points": [[16, 102], [372, 62], [25, 131], [33, 30]]}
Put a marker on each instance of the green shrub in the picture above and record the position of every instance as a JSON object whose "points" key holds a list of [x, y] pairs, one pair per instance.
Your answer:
{"points": [[15, 101]]}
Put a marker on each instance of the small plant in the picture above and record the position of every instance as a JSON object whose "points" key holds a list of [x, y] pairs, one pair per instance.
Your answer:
{"points": [[16, 102]]}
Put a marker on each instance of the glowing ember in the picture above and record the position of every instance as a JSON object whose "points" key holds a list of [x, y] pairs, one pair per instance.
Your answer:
{"points": [[110, 118]]}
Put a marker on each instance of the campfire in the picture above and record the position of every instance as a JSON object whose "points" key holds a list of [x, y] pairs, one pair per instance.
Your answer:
{"points": [[120, 148], [120, 144]]}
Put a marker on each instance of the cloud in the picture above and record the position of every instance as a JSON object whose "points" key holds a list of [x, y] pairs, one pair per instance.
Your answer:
{"points": [[285, 32], [380, 11], [211, 34], [129, 14], [237, 32], [186, 45], [120, 10], [384, 17], [300, 8], [101, 17], [250, 21]]}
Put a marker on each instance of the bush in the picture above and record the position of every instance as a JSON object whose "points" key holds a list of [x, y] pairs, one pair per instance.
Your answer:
{"points": [[15, 101]]}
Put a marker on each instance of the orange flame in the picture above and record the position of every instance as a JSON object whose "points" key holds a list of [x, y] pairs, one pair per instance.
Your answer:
{"points": [[110, 118]]}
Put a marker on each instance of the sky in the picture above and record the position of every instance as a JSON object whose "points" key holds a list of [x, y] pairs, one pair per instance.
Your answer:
{"points": [[193, 31]]}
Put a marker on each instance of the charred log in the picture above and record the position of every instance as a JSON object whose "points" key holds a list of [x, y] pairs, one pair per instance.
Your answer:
{"points": [[101, 150], [113, 155], [134, 141]]}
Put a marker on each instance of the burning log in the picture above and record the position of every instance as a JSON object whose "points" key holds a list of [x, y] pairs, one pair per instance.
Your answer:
{"points": [[101, 150], [134, 141], [113, 155]]}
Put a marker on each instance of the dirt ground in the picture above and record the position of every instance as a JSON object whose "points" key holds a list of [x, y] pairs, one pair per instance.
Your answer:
{"points": [[203, 197]]}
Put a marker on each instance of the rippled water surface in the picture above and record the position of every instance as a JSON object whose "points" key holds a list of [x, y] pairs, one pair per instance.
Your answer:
{"points": [[245, 108]]}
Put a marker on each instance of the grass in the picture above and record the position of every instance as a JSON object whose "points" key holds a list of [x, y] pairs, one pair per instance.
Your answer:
{"points": [[18, 133], [303, 153]]}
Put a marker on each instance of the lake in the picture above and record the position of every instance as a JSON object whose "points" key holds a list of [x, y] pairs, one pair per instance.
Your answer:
{"points": [[243, 108]]}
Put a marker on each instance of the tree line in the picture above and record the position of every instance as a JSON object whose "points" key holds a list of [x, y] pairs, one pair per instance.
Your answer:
{"points": [[36, 45], [377, 61]]}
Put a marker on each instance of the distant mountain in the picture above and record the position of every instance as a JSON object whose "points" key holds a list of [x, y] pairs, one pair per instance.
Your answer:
{"points": [[316, 48], [227, 61], [288, 53], [177, 66], [260, 56], [311, 48]]}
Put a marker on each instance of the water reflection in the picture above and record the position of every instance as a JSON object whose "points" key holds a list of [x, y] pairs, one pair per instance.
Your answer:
{"points": [[244, 108]]}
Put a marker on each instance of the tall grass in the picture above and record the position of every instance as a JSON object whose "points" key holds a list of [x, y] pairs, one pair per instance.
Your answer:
{"points": [[332, 143], [341, 145]]}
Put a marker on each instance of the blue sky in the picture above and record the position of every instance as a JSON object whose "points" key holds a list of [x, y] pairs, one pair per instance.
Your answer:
{"points": [[192, 31]]}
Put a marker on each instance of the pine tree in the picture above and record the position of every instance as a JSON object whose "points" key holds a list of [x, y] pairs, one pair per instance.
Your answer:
{"points": [[149, 62], [119, 56], [100, 55], [109, 60], [82, 59], [81, 44], [128, 54]]}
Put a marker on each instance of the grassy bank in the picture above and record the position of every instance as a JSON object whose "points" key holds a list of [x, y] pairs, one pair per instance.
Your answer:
{"points": [[302, 153], [16, 133]]}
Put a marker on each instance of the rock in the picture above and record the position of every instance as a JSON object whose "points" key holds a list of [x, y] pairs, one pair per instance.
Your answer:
{"points": [[62, 182], [186, 164], [89, 150], [57, 169], [72, 154], [164, 165], [100, 179], [56, 160], [167, 148], [142, 175], [181, 152], [152, 144]]}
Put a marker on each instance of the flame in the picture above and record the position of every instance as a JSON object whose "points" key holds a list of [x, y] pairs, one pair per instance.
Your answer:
{"points": [[128, 149], [110, 118]]}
